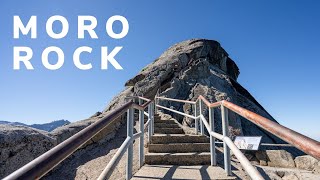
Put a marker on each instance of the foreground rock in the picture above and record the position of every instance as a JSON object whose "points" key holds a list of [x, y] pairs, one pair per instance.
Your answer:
{"points": [[280, 158], [306, 162], [20, 145]]}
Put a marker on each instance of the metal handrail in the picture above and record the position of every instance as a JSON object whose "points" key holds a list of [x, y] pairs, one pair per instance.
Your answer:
{"points": [[47, 161], [300, 141], [176, 100], [304, 143]]}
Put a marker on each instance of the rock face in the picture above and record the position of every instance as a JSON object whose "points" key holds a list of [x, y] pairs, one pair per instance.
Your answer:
{"points": [[306, 162], [200, 67], [20, 145], [185, 71], [280, 158]]}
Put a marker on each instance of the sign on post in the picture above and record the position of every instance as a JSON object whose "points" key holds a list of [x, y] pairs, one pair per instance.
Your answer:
{"points": [[248, 142]]}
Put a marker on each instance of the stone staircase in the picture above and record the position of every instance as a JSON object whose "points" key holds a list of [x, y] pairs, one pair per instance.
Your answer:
{"points": [[172, 154], [171, 146]]}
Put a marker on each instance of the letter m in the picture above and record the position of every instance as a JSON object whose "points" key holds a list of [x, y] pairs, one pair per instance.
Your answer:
{"points": [[18, 26]]}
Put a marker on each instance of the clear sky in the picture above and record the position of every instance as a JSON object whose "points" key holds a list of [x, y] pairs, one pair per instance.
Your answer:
{"points": [[276, 45]]}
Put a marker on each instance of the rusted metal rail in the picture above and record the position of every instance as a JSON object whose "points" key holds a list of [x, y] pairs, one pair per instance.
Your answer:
{"points": [[302, 142], [47, 161]]}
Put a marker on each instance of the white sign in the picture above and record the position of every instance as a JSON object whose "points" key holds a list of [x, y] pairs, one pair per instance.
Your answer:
{"points": [[248, 142]]}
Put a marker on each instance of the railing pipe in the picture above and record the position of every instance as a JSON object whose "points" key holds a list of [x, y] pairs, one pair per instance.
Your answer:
{"points": [[47, 161], [178, 112], [196, 121], [141, 141], [107, 172], [146, 125], [130, 147], [251, 171], [145, 113], [176, 100], [152, 118], [304, 143], [150, 124], [225, 130], [200, 113], [212, 139]]}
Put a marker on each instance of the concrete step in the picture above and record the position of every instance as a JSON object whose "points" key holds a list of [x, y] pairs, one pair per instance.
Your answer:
{"points": [[168, 131], [167, 172], [179, 147], [165, 125], [178, 138], [190, 158], [165, 121]]}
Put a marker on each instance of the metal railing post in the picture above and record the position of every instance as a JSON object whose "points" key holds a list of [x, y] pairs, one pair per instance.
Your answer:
{"points": [[152, 118], [156, 101], [149, 126], [225, 130], [212, 139], [141, 143], [130, 148], [196, 121], [201, 122]]}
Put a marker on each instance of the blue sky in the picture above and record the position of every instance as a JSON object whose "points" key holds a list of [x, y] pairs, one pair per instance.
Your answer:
{"points": [[275, 44]]}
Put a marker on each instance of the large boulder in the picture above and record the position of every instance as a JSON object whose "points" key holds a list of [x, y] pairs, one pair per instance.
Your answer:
{"points": [[306, 162], [200, 67], [280, 158], [20, 145]]}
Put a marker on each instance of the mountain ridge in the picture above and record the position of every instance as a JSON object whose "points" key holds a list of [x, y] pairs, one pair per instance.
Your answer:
{"points": [[45, 126]]}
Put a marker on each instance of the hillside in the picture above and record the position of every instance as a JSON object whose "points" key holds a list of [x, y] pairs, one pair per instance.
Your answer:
{"points": [[46, 126]]}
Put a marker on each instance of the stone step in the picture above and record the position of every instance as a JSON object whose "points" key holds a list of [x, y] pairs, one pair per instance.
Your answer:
{"points": [[164, 172], [165, 125], [190, 158], [178, 138], [168, 131], [165, 121], [179, 147]]}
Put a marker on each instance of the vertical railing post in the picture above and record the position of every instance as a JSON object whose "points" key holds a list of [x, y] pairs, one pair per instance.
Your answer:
{"points": [[152, 117], [130, 148], [196, 121], [156, 101], [141, 143], [225, 130], [212, 139], [149, 126], [201, 122]]}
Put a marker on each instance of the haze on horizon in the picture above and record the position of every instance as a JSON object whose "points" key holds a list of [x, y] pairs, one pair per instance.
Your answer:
{"points": [[275, 44]]}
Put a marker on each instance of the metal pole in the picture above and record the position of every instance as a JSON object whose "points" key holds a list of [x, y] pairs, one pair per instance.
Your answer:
{"points": [[130, 148], [141, 143], [156, 101], [196, 125], [201, 122], [149, 126], [152, 118], [226, 150], [212, 139]]}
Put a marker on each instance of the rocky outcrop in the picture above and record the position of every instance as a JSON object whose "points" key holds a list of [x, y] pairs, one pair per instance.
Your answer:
{"points": [[200, 67], [20, 145], [306, 162], [280, 158]]}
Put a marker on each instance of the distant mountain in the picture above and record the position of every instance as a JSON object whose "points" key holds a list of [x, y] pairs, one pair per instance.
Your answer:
{"points": [[46, 126]]}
